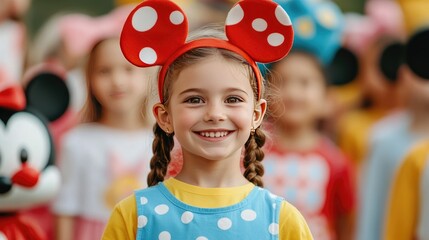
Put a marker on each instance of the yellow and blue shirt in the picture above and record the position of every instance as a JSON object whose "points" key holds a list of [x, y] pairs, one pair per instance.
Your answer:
{"points": [[174, 209]]}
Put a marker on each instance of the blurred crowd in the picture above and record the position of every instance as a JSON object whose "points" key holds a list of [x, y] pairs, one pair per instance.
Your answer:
{"points": [[348, 116]]}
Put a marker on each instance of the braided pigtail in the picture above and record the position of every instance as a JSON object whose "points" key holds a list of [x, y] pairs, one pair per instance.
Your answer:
{"points": [[254, 170], [161, 148]]}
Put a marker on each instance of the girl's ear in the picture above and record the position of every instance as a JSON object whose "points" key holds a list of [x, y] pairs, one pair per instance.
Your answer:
{"points": [[163, 118], [259, 112]]}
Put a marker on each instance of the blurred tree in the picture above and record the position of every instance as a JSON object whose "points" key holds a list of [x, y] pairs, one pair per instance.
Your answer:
{"points": [[41, 10], [351, 5]]}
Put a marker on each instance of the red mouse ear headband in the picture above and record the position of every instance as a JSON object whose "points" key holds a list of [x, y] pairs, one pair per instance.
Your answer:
{"points": [[155, 33]]}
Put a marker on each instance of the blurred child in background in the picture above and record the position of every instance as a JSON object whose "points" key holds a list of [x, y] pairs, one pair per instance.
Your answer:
{"points": [[379, 93], [391, 139], [302, 165], [107, 157], [408, 211]]}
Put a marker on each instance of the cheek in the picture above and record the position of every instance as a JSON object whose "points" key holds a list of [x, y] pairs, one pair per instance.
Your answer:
{"points": [[99, 88]]}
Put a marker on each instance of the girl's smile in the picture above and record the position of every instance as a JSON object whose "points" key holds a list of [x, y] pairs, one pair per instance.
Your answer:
{"points": [[214, 135]]}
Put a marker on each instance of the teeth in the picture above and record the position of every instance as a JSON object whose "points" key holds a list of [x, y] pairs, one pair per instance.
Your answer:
{"points": [[213, 134]]}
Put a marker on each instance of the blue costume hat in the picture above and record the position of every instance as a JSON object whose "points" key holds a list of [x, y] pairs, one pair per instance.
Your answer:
{"points": [[318, 27]]}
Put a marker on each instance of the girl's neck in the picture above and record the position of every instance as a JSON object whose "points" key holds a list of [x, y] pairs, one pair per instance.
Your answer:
{"points": [[296, 138], [212, 173], [123, 121]]}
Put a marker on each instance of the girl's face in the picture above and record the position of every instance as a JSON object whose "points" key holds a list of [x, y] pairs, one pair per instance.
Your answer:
{"points": [[211, 109], [301, 90], [116, 84]]}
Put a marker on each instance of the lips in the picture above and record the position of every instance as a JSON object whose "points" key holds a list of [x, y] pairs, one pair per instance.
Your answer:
{"points": [[117, 94]]}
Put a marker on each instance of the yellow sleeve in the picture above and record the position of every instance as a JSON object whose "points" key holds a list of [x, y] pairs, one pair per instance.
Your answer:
{"points": [[123, 221], [403, 209], [292, 224]]}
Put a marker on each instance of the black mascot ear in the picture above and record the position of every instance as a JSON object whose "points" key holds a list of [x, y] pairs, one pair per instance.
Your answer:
{"points": [[392, 57], [417, 53], [48, 93], [343, 69]]}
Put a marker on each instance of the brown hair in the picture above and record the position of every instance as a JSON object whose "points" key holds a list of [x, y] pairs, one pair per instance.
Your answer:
{"points": [[92, 110], [163, 142]]}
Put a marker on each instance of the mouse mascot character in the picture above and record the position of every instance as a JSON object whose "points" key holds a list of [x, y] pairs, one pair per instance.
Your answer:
{"points": [[28, 176]]}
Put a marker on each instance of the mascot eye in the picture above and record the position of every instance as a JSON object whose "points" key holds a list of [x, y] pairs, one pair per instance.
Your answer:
{"points": [[24, 156]]}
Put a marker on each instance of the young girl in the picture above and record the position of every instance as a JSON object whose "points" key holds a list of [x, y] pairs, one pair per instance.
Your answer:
{"points": [[211, 101], [303, 165], [107, 157]]}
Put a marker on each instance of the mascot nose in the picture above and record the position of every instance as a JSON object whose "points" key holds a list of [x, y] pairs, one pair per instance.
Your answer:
{"points": [[5, 185], [26, 177]]}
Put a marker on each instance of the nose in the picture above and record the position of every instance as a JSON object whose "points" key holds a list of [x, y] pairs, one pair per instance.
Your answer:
{"points": [[215, 112], [117, 79], [5, 185]]}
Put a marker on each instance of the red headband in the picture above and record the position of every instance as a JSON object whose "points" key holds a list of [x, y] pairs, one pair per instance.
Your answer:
{"points": [[155, 33]]}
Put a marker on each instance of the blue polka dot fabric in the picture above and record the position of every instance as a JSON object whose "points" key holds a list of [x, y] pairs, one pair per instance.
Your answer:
{"points": [[161, 216]]}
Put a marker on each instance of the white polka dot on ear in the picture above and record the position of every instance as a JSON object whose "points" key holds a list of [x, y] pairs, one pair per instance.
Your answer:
{"points": [[273, 228], [187, 217], [224, 223], [176, 17], [2, 236], [248, 215], [143, 200], [276, 39], [259, 25], [161, 209], [282, 16], [202, 238], [141, 221], [164, 236], [235, 15], [144, 19], [148, 55]]}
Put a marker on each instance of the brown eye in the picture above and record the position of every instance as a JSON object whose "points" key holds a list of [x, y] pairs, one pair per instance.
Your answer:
{"points": [[194, 100], [233, 100]]}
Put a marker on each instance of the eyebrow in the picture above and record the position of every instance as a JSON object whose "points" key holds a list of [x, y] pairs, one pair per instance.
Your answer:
{"points": [[199, 90]]}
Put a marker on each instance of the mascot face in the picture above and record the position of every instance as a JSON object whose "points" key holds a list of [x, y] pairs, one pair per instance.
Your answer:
{"points": [[28, 175]]}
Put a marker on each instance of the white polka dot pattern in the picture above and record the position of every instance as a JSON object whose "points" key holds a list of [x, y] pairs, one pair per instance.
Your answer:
{"points": [[235, 15], [176, 17], [187, 217], [148, 55], [273, 228], [282, 16], [164, 236], [143, 201], [259, 25], [162, 209], [141, 221], [201, 238], [248, 215], [276, 39], [224, 223], [144, 19]]}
